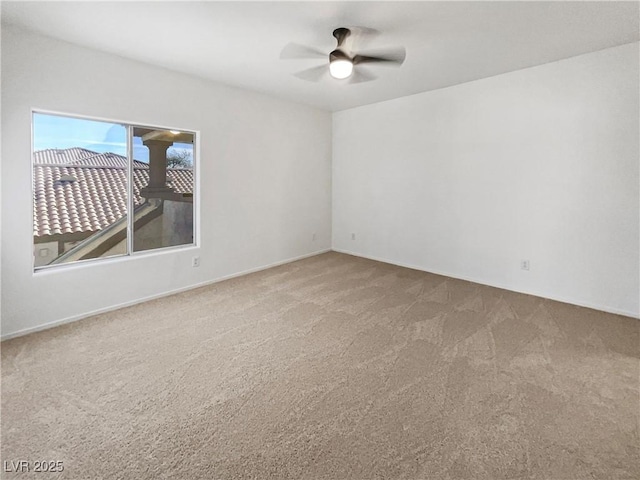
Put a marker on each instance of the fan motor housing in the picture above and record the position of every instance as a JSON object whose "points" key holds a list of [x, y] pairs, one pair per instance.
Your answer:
{"points": [[338, 54]]}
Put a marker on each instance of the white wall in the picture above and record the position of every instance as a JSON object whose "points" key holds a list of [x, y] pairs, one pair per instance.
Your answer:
{"points": [[538, 164], [265, 176]]}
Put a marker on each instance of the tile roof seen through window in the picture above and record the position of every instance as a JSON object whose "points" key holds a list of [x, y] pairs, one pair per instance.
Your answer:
{"points": [[83, 157], [77, 190]]}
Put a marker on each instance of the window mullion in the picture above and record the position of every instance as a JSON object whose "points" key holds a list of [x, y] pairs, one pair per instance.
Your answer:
{"points": [[130, 190]]}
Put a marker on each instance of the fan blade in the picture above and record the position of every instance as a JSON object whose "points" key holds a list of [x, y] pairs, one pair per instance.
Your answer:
{"points": [[313, 74], [360, 36], [361, 75], [391, 56], [294, 50]]}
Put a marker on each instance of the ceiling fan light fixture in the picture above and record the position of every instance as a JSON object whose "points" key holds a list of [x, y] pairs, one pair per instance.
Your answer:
{"points": [[340, 68], [343, 60]]}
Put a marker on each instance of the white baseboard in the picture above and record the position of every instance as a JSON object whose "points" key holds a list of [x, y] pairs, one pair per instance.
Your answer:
{"points": [[75, 318], [580, 303]]}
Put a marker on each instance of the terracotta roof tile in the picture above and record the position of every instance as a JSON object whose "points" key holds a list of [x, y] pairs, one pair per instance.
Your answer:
{"points": [[82, 156], [78, 196]]}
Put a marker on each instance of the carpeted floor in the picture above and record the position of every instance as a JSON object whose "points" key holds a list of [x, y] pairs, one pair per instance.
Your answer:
{"points": [[332, 367]]}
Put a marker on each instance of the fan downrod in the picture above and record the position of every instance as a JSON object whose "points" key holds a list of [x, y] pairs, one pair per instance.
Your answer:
{"points": [[341, 35]]}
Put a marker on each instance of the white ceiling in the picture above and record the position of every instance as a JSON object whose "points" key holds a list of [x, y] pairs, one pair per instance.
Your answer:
{"points": [[239, 43]]}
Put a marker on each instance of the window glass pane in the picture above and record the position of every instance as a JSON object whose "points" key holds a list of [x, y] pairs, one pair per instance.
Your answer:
{"points": [[79, 189], [163, 188]]}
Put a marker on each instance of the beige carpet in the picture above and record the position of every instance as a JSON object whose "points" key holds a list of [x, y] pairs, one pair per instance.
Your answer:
{"points": [[332, 367]]}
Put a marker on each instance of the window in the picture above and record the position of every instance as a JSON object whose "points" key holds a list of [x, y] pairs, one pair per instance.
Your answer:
{"points": [[104, 189]]}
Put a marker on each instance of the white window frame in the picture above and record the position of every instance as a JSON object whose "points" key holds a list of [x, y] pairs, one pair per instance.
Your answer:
{"points": [[130, 254]]}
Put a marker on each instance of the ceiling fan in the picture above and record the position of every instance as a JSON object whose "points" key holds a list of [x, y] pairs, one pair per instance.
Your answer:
{"points": [[343, 61]]}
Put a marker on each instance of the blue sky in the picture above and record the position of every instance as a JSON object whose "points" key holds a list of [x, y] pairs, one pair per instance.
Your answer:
{"points": [[52, 131]]}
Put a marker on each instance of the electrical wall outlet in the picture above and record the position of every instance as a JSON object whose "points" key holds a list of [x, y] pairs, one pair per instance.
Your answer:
{"points": [[353, 236], [524, 264], [195, 262]]}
